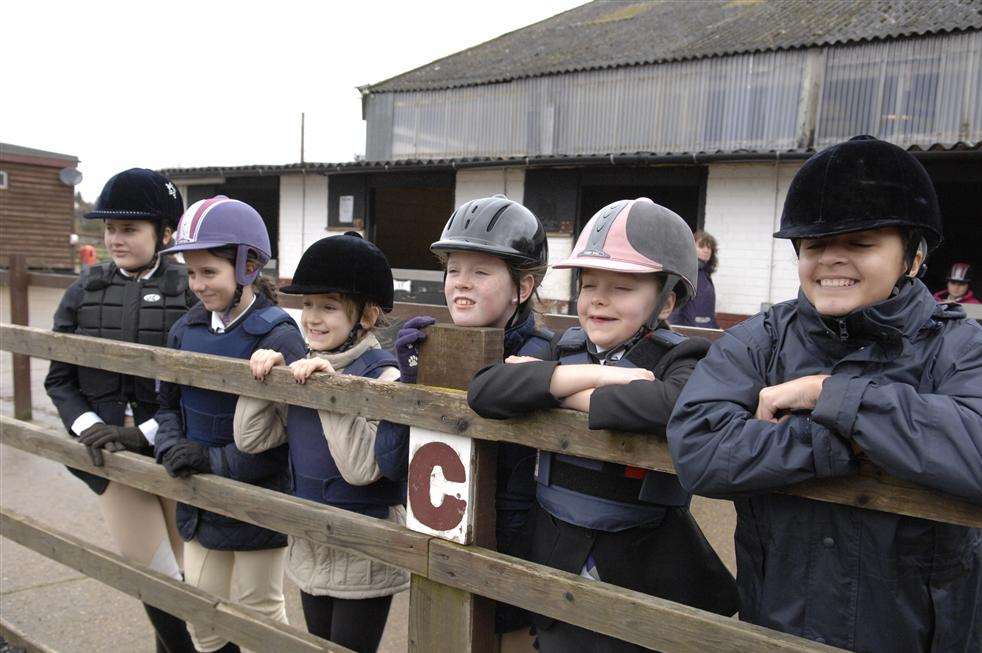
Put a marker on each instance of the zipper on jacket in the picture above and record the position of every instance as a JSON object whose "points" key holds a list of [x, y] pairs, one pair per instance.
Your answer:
{"points": [[843, 330]]}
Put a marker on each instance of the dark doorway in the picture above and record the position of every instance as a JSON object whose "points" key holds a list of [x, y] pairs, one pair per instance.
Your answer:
{"points": [[407, 220], [681, 199], [261, 193], [957, 184]]}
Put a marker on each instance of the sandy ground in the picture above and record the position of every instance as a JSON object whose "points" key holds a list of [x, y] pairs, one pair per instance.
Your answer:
{"points": [[69, 612]]}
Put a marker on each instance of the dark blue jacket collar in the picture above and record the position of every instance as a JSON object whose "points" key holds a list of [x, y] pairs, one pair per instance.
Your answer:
{"points": [[517, 334], [198, 314]]}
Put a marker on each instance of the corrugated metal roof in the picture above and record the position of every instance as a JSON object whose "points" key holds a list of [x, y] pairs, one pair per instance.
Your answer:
{"points": [[604, 34], [616, 158]]}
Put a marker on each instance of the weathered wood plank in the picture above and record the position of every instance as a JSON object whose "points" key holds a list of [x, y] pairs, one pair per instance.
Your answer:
{"points": [[280, 512], [446, 618], [615, 611], [19, 314], [446, 410], [237, 623]]}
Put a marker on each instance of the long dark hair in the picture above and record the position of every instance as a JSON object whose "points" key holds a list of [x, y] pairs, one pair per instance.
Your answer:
{"points": [[704, 238]]}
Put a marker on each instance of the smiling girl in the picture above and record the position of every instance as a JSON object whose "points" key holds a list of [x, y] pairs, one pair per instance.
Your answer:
{"points": [[225, 245], [136, 298], [863, 365], [494, 253], [624, 367], [337, 459]]}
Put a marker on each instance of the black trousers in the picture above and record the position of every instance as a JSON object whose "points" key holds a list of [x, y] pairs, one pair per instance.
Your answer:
{"points": [[354, 623], [670, 559]]}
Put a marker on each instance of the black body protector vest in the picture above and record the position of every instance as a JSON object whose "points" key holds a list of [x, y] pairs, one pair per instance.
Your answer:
{"points": [[124, 308]]}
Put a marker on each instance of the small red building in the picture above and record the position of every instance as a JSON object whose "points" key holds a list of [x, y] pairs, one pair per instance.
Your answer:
{"points": [[37, 200]]}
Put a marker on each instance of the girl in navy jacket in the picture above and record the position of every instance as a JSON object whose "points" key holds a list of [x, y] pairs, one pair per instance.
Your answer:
{"points": [[623, 366], [346, 285], [225, 245]]}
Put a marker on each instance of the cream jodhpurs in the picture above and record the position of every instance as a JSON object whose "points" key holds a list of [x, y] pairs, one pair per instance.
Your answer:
{"points": [[144, 527], [252, 578]]}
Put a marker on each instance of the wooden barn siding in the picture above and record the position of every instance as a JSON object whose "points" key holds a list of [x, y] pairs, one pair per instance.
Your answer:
{"points": [[36, 215]]}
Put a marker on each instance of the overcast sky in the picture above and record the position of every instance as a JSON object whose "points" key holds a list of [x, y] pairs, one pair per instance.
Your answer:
{"points": [[180, 83]]}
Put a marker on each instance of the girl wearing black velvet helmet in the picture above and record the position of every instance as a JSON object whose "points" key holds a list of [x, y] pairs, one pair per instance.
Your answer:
{"points": [[135, 297], [494, 253], [863, 365]]}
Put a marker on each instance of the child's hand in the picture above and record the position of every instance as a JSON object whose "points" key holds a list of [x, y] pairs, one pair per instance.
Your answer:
{"points": [[622, 375], [522, 359], [303, 368], [800, 394], [263, 360]]}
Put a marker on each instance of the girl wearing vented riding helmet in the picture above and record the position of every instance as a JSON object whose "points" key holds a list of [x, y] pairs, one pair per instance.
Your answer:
{"points": [[494, 253], [336, 459], [624, 367], [135, 297], [864, 364], [225, 245]]}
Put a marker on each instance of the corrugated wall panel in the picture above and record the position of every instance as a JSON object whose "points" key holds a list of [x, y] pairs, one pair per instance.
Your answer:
{"points": [[911, 92], [729, 103]]}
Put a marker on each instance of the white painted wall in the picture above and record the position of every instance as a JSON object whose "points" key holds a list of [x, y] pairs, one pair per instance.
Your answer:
{"points": [[301, 222], [557, 282], [743, 209], [473, 183]]}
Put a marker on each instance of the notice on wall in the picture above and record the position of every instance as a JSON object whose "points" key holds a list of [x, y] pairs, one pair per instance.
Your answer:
{"points": [[440, 492], [346, 209]]}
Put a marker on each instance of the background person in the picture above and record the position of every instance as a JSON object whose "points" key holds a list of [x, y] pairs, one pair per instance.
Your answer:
{"points": [[700, 311], [959, 286], [135, 297]]}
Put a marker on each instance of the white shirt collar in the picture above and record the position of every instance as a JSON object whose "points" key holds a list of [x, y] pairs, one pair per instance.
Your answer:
{"points": [[143, 275], [216, 318]]}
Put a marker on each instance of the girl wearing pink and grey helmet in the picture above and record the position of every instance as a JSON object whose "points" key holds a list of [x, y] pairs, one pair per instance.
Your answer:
{"points": [[625, 368], [225, 245]]}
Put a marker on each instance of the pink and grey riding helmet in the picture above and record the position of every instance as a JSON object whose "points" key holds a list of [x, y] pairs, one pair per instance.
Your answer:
{"points": [[639, 237], [222, 222]]}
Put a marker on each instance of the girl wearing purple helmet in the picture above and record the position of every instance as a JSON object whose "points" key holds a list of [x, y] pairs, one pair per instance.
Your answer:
{"points": [[225, 245]]}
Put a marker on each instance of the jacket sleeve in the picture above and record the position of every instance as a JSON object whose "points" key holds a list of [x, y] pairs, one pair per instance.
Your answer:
{"points": [[352, 441], [259, 424], [930, 439], [506, 390], [641, 406], [720, 450], [392, 450], [61, 383], [170, 422], [229, 461]]}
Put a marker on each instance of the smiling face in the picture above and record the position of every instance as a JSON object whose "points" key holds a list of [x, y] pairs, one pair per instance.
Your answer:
{"points": [[841, 274], [131, 243], [327, 320], [612, 306], [479, 290], [704, 251], [212, 280]]}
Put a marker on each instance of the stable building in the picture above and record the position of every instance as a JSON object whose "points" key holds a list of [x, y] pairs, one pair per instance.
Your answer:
{"points": [[37, 206], [708, 108]]}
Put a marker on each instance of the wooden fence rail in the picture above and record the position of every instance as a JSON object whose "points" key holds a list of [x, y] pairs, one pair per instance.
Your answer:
{"points": [[615, 611], [446, 410]]}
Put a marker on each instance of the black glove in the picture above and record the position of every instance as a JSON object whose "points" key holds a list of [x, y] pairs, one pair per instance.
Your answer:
{"points": [[186, 458], [95, 455], [127, 437]]}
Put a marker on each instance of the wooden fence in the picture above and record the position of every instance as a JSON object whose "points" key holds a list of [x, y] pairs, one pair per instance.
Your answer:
{"points": [[452, 584]]}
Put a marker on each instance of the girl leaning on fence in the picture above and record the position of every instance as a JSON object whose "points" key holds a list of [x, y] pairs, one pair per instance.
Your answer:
{"points": [[863, 366], [225, 245], [336, 459], [494, 253], [135, 297], [624, 367]]}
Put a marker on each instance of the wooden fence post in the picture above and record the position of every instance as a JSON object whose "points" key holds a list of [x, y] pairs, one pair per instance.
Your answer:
{"points": [[19, 315], [443, 618]]}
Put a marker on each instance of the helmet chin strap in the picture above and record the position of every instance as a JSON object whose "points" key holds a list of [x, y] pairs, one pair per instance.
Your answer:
{"points": [[236, 298], [668, 287]]}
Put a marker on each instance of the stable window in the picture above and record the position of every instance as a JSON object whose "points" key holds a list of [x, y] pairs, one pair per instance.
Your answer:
{"points": [[3, 180]]}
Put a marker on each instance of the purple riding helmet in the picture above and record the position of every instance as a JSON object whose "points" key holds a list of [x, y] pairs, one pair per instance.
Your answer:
{"points": [[220, 222]]}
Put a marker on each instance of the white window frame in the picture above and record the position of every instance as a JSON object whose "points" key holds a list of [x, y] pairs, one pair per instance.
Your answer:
{"points": [[3, 180]]}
